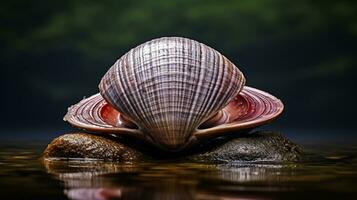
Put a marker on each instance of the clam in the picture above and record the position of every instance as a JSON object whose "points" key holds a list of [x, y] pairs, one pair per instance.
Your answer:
{"points": [[174, 92]]}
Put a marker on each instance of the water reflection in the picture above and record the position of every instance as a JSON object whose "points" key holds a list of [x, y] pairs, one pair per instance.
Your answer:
{"points": [[255, 172], [325, 173], [91, 179]]}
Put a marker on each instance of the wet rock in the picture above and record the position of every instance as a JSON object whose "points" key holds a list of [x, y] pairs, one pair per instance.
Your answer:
{"points": [[83, 145], [259, 146], [262, 146]]}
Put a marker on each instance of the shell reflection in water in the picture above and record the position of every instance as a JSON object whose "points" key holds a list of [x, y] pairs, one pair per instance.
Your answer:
{"points": [[173, 92], [90, 179]]}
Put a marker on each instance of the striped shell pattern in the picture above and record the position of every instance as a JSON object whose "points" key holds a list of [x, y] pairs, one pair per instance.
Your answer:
{"points": [[169, 86], [173, 92]]}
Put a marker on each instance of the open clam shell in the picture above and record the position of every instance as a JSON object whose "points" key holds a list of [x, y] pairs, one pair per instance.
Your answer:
{"points": [[172, 91], [249, 109]]}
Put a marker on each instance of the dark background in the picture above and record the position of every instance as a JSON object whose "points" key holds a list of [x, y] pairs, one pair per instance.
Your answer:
{"points": [[53, 53]]}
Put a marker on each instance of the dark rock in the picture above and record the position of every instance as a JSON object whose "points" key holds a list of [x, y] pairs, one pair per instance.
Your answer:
{"points": [[261, 146]]}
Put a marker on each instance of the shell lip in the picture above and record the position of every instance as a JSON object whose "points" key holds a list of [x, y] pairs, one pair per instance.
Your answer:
{"points": [[249, 109], [258, 116]]}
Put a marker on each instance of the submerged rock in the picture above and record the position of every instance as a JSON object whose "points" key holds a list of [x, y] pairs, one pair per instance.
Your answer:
{"points": [[259, 146], [83, 145], [262, 146]]}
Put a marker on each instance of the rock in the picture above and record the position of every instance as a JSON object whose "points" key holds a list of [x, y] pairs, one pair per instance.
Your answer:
{"points": [[83, 145], [262, 146]]}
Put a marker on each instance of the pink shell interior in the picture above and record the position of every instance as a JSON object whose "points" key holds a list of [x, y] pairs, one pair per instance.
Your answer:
{"points": [[251, 108]]}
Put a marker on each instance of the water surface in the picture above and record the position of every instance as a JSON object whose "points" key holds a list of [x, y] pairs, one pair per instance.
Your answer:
{"points": [[327, 171]]}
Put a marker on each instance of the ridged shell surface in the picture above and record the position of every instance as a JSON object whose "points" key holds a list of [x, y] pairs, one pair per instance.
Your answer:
{"points": [[169, 86]]}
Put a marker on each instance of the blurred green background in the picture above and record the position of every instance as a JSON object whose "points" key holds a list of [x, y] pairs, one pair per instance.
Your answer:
{"points": [[53, 53]]}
